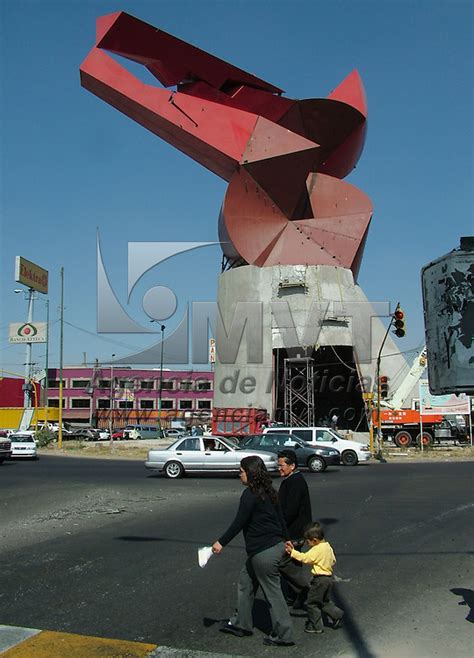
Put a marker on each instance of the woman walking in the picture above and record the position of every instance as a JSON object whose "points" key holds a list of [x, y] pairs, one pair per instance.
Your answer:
{"points": [[259, 517]]}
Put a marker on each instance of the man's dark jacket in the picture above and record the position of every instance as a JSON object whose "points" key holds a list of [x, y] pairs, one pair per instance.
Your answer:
{"points": [[295, 504]]}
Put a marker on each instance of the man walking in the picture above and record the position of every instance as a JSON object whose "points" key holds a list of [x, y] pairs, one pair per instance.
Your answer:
{"points": [[296, 508]]}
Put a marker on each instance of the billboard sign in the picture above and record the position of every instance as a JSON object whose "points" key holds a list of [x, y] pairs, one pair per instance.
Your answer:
{"points": [[434, 405], [27, 332], [448, 301], [31, 275], [212, 350]]}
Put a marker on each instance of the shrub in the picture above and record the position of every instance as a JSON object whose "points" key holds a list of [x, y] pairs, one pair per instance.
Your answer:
{"points": [[44, 437]]}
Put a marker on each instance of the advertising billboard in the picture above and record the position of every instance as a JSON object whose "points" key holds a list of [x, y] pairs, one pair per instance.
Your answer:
{"points": [[31, 275], [448, 302], [434, 405], [27, 332]]}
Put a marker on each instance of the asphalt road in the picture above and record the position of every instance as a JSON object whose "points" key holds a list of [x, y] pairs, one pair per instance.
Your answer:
{"points": [[99, 547]]}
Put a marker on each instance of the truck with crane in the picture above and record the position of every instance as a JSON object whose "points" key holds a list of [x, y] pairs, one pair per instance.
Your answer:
{"points": [[408, 426]]}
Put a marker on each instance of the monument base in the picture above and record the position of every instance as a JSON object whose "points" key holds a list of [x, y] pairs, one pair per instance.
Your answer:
{"points": [[299, 336]]}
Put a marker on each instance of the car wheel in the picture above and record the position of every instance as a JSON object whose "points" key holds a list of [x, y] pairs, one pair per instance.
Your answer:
{"points": [[316, 464], [403, 439], [349, 458], [173, 470]]}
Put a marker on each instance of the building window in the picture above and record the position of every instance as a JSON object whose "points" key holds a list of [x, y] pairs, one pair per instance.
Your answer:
{"points": [[167, 404], [103, 404], [149, 386], [104, 383], [167, 386], [186, 386], [125, 404], [146, 404], [203, 386], [185, 404], [54, 402], [80, 403], [125, 383], [53, 383], [204, 404], [79, 383]]}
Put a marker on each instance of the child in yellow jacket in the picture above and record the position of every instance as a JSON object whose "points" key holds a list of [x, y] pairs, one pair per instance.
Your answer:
{"points": [[322, 559]]}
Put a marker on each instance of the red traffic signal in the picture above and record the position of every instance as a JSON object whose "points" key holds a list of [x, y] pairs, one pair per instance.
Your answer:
{"points": [[383, 386], [399, 323]]}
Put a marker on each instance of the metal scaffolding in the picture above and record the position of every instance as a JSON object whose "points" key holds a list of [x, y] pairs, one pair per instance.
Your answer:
{"points": [[299, 392]]}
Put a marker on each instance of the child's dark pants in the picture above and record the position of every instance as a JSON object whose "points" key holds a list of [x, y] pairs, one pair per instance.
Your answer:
{"points": [[319, 600]]}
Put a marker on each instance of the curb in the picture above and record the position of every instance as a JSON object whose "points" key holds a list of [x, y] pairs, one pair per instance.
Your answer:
{"points": [[19, 642]]}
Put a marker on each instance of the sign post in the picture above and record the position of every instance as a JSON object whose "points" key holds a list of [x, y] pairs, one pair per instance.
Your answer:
{"points": [[36, 279]]}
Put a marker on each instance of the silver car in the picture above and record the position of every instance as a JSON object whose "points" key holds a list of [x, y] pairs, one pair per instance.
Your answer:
{"points": [[210, 454]]}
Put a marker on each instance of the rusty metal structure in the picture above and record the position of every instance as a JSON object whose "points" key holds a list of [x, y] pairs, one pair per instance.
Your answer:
{"points": [[286, 203]]}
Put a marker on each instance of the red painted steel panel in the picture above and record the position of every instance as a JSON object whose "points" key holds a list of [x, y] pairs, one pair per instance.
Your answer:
{"points": [[284, 158]]}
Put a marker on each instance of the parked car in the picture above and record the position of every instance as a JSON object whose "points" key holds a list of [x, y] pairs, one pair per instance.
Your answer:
{"points": [[23, 445], [174, 433], [5, 449], [118, 435], [6, 431], [104, 435], [197, 454], [315, 459], [87, 434], [352, 452]]}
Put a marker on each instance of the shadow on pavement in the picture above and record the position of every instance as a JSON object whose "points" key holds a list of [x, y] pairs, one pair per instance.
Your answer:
{"points": [[468, 600]]}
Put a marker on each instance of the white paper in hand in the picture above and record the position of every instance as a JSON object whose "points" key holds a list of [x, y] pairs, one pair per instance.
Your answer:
{"points": [[204, 554]]}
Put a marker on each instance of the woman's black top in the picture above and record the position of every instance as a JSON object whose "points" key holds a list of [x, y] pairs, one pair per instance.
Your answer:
{"points": [[262, 523]]}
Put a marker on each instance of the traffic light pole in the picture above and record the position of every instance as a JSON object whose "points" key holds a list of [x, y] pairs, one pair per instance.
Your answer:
{"points": [[377, 379]]}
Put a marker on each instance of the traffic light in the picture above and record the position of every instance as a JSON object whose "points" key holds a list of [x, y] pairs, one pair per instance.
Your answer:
{"points": [[399, 322], [383, 387]]}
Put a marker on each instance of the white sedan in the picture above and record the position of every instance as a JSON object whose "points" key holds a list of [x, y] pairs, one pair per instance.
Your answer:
{"points": [[197, 454], [23, 445]]}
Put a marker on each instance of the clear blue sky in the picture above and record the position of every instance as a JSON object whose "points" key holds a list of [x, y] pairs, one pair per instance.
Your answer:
{"points": [[71, 163]]}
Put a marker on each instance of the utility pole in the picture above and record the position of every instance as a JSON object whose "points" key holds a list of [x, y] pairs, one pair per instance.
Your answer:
{"points": [[61, 346], [46, 386]]}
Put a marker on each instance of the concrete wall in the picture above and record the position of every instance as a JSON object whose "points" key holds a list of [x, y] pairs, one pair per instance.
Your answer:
{"points": [[295, 307]]}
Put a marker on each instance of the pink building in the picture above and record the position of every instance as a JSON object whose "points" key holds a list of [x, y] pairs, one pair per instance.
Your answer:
{"points": [[90, 395]]}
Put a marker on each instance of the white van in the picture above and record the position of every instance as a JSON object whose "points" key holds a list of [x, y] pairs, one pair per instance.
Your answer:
{"points": [[141, 432], [352, 452]]}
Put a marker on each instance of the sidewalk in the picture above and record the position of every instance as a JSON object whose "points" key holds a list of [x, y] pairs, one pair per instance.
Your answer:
{"points": [[17, 642]]}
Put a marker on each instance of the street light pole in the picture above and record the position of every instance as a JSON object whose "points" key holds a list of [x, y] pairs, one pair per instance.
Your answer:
{"points": [[111, 400], [162, 327], [160, 391]]}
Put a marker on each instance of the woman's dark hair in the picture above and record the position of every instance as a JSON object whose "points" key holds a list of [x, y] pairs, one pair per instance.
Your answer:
{"points": [[258, 479]]}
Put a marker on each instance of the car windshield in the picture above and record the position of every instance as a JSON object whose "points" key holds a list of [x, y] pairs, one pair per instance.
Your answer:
{"points": [[22, 438]]}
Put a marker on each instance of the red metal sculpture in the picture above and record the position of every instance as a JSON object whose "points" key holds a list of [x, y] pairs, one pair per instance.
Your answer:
{"points": [[284, 159]]}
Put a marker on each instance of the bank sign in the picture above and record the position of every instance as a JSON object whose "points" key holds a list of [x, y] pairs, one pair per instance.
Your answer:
{"points": [[27, 332], [31, 275]]}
